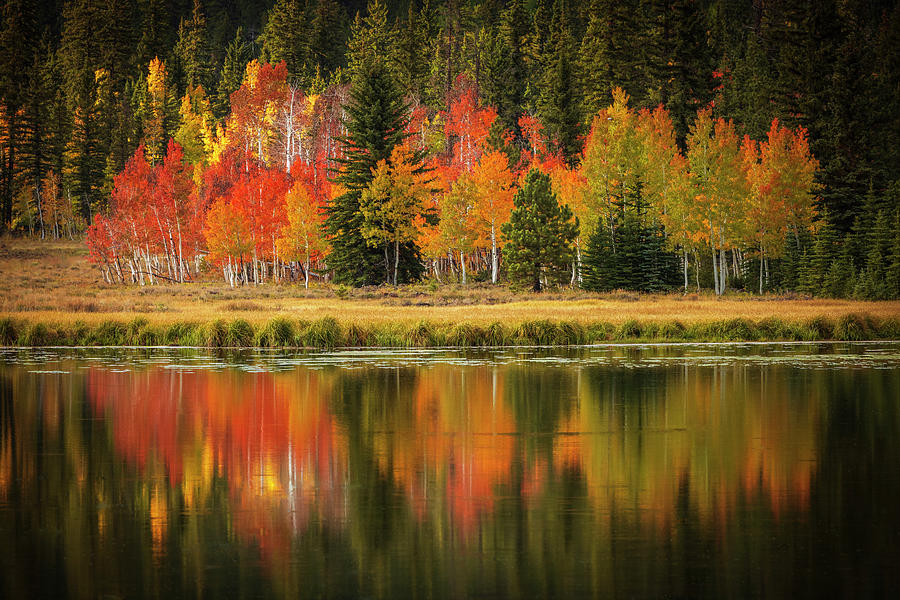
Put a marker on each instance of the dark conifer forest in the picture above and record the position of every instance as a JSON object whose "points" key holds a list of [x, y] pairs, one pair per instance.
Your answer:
{"points": [[722, 144]]}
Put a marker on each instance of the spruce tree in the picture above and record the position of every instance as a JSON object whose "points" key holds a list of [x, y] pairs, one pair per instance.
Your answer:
{"points": [[327, 37], [193, 51], [560, 106], [376, 119], [285, 37], [540, 234], [514, 29], [237, 55], [599, 264]]}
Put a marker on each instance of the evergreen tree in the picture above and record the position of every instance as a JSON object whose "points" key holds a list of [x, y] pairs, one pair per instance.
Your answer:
{"points": [[327, 37], [85, 151], [630, 253], [156, 32], [599, 264], [540, 235], [609, 54], [677, 59], [560, 106], [192, 50], [237, 55], [285, 37], [371, 38], [514, 29], [411, 45], [375, 124], [17, 36]]}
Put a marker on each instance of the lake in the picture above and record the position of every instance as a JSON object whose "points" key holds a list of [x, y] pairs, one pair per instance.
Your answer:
{"points": [[642, 471]]}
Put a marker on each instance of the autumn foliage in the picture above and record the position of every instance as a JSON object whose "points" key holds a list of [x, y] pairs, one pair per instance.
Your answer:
{"points": [[248, 195]]}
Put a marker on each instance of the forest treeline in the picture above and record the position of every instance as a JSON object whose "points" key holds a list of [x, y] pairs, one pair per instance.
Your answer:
{"points": [[640, 144]]}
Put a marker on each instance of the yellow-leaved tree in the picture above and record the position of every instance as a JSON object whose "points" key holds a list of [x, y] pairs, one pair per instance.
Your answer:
{"points": [[302, 238], [393, 206]]}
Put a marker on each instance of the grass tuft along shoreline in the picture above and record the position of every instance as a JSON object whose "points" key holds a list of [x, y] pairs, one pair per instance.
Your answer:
{"points": [[329, 332]]}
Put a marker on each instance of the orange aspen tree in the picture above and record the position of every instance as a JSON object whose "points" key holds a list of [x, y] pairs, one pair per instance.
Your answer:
{"points": [[302, 238], [495, 188]]}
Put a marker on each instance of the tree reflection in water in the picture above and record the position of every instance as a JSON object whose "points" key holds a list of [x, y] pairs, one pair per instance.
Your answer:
{"points": [[515, 479]]}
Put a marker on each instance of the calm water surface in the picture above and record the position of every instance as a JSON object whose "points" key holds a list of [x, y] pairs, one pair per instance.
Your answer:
{"points": [[612, 472]]}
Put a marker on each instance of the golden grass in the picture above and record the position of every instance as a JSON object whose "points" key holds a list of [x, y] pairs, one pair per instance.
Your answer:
{"points": [[52, 282]]}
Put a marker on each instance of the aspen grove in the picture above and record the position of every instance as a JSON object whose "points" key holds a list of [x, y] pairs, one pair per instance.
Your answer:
{"points": [[247, 195]]}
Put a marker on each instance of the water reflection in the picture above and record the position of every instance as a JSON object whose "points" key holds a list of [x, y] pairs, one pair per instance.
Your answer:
{"points": [[633, 472]]}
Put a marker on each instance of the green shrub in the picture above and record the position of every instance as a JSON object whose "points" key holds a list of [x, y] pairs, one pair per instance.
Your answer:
{"points": [[889, 329], [277, 333], [109, 333], [35, 334], [323, 333], [358, 336], [421, 334], [240, 334], [184, 334], [851, 328], [737, 330], [466, 335], [388, 335], [570, 333], [671, 330], [495, 335], [822, 326], [537, 333], [629, 330], [8, 334], [597, 333]]}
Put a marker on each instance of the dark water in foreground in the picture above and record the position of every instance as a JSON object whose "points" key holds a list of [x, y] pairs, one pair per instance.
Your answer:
{"points": [[678, 471]]}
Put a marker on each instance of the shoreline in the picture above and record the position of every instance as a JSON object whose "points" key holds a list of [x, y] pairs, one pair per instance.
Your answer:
{"points": [[331, 333]]}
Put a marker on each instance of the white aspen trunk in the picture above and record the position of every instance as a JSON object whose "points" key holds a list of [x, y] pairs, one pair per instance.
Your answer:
{"points": [[684, 260], [396, 258], [715, 271], [451, 268], [180, 255], [40, 207], [723, 270], [697, 270], [495, 257], [306, 272], [462, 265], [761, 254], [275, 277], [149, 266]]}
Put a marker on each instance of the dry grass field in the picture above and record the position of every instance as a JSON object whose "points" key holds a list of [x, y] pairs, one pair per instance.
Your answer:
{"points": [[53, 282]]}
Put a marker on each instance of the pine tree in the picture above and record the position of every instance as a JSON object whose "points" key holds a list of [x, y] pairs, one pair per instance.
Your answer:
{"points": [[600, 268], [411, 44], [609, 54], [285, 37], [677, 59], [237, 55], [514, 29], [17, 36], [540, 235], [376, 119], [560, 107], [371, 38], [327, 37], [193, 51]]}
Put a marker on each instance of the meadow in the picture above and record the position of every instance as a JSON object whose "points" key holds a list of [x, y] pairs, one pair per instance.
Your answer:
{"points": [[51, 294]]}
